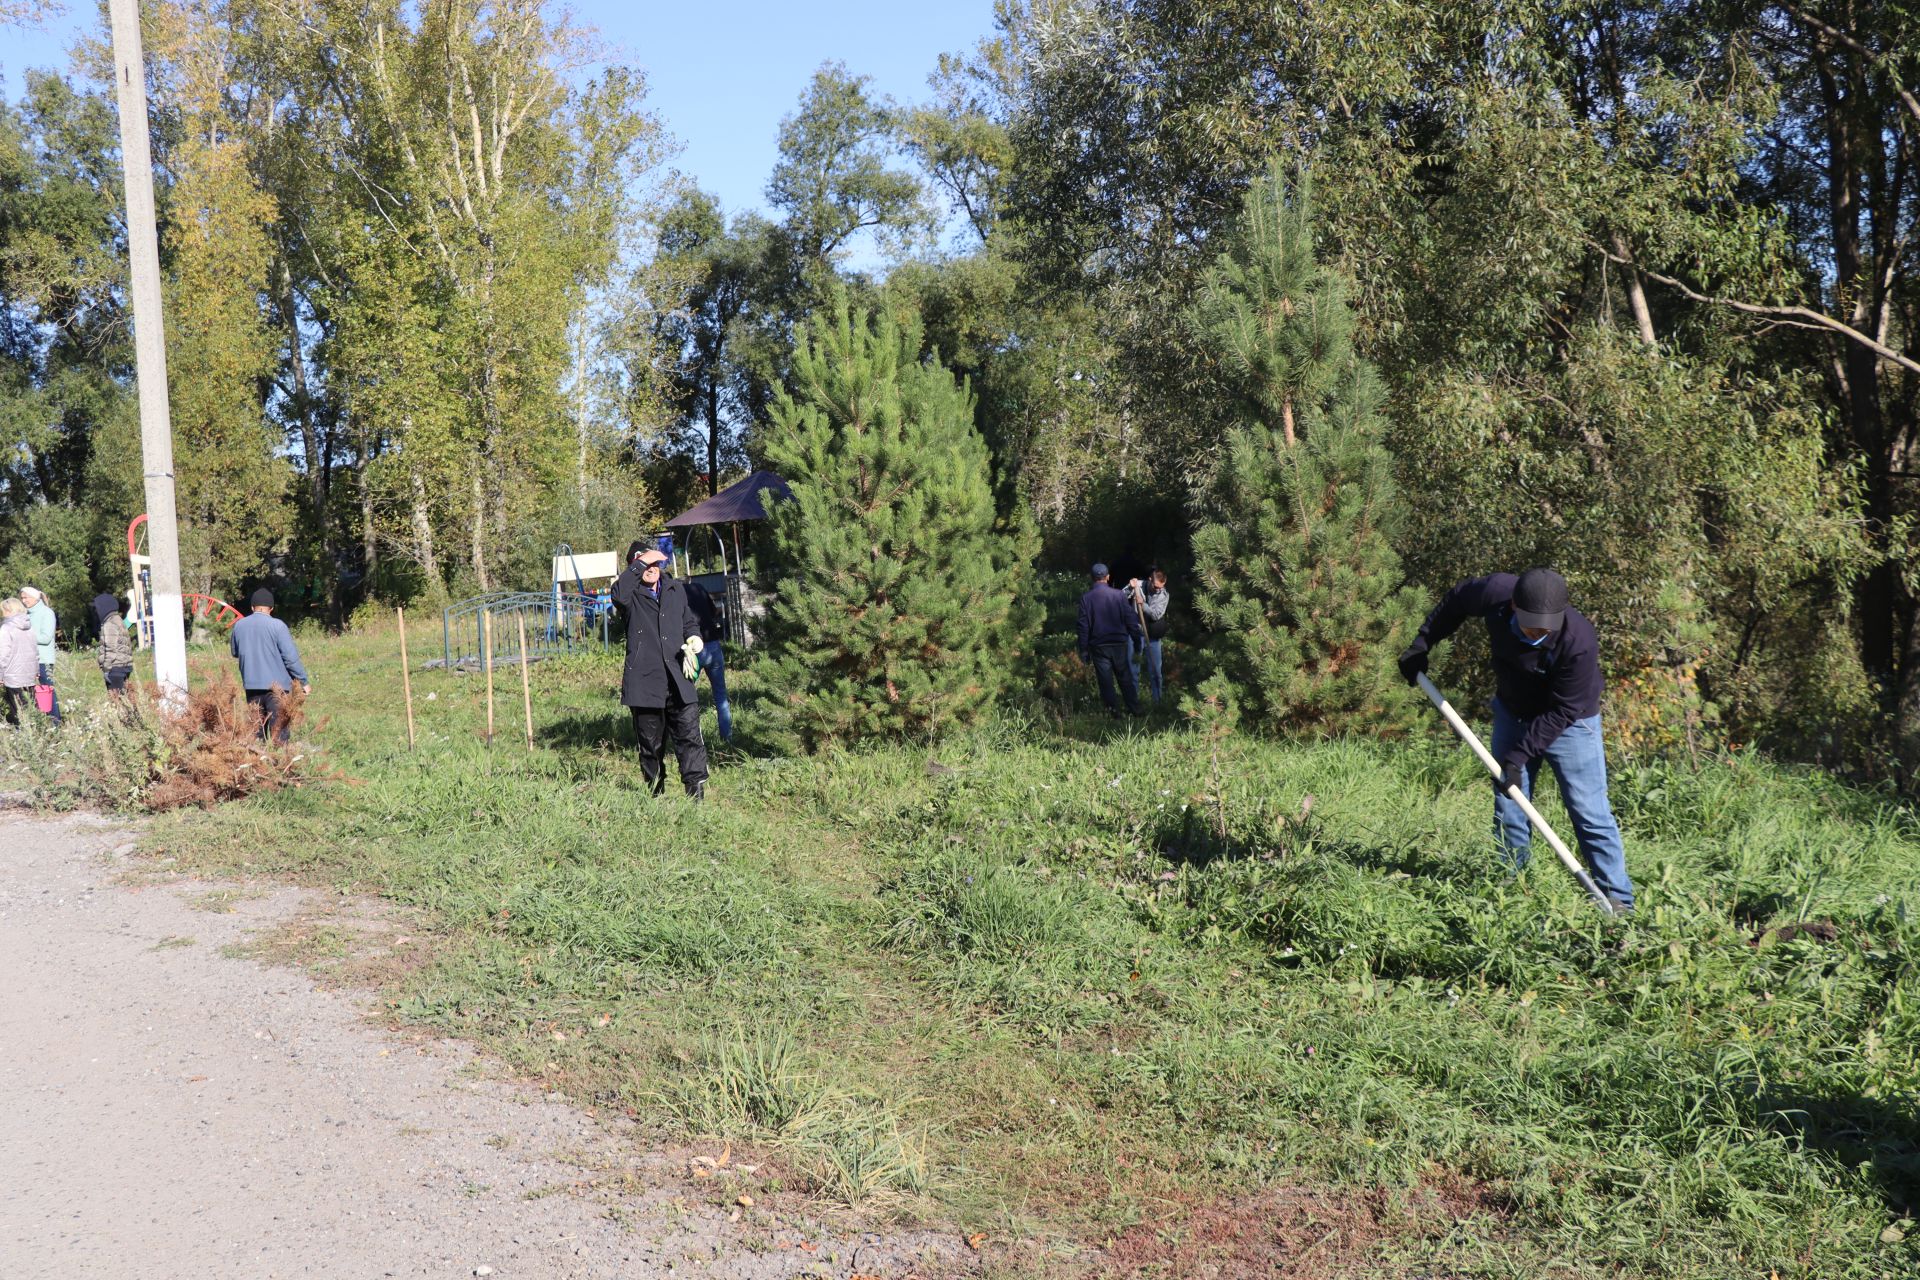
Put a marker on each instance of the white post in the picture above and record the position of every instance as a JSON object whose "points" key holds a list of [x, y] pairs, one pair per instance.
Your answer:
{"points": [[150, 352]]}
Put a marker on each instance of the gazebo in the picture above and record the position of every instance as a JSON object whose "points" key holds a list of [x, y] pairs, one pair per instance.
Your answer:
{"points": [[739, 503]]}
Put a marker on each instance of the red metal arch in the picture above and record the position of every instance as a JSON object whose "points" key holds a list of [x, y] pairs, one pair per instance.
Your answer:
{"points": [[195, 604], [217, 610]]}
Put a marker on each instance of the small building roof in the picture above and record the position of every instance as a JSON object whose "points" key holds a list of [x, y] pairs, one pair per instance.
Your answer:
{"points": [[739, 501]]}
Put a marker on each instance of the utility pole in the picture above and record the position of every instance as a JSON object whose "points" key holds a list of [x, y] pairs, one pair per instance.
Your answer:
{"points": [[150, 354]]}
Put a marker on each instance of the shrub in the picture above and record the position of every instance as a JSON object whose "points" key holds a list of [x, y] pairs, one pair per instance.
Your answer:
{"points": [[129, 753]]}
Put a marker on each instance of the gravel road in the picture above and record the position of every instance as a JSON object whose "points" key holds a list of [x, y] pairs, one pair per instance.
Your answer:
{"points": [[168, 1110]]}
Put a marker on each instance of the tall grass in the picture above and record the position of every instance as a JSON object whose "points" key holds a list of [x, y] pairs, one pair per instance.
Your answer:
{"points": [[1075, 976]]}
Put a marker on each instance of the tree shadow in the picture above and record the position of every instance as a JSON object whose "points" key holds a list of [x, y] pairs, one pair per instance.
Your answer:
{"points": [[588, 732], [1262, 831], [1878, 1137]]}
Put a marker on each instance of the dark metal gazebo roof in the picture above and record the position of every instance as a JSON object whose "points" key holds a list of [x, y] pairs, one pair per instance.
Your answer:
{"points": [[739, 501]]}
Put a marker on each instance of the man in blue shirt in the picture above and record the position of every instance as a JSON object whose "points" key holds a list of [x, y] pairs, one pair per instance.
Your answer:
{"points": [[1109, 626], [269, 663], [1546, 668]]}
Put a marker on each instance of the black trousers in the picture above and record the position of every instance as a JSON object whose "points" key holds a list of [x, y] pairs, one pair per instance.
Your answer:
{"points": [[1111, 662], [266, 703], [681, 722], [12, 699]]}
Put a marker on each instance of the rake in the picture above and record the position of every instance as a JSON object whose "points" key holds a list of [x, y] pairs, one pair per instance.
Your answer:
{"points": [[1516, 795]]}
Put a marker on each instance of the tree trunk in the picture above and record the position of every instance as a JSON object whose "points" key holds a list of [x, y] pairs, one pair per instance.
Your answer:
{"points": [[1636, 296], [423, 548], [478, 549], [713, 432], [369, 539], [580, 414]]}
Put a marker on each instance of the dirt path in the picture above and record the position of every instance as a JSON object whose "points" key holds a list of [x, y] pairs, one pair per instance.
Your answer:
{"points": [[167, 1110]]}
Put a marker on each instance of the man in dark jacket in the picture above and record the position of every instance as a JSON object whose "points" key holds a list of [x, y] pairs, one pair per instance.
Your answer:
{"points": [[1109, 626], [1546, 666], [713, 653], [663, 644]]}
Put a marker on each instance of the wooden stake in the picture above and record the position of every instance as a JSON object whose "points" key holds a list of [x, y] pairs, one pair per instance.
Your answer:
{"points": [[526, 686], [486, 662], [406, 676]]}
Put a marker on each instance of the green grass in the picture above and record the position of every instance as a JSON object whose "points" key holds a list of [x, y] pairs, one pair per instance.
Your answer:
{"points": [[1045, 994]]}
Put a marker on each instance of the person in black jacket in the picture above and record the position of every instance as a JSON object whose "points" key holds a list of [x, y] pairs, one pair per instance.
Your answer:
{"points": [[1108, 627], [713, 653], [1546, 666], [663, 643]]}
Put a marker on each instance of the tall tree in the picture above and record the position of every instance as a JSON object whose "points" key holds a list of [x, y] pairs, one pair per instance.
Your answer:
{"points": [[1297, 568], [904, 596], [722, 272]]}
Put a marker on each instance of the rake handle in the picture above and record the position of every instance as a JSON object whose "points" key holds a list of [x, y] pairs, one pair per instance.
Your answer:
{"points": [[1519, 797]]}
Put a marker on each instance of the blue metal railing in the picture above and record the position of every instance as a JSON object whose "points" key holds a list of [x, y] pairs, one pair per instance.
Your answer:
{"points": [[556, 623]]}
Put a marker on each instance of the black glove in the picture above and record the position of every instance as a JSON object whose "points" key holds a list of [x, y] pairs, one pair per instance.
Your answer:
{"points": [[1511, 775], [1413, 662]]}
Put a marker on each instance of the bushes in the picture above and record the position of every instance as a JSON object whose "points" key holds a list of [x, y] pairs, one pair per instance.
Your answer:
{"points": [[126, 754]]}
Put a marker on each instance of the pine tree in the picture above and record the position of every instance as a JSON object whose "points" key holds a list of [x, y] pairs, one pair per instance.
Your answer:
{"points": [[1299, 578], [905, 596]]}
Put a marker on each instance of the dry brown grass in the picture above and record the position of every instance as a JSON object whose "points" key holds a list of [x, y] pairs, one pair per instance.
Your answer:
{"points": [[134, 753]]}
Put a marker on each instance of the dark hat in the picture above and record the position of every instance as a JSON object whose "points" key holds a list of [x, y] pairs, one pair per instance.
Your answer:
{"points": [[105, 606], [1099, 571], [261, 599], [1540, 599]]}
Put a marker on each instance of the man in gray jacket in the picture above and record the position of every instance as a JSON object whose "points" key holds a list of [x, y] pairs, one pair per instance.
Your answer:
{"points": [[1151, 598], [269, 663]]}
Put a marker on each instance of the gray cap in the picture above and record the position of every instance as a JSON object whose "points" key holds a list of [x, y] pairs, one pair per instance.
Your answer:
{"points": [[1099, 570]]}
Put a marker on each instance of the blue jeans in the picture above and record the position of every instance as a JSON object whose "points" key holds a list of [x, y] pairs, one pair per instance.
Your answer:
{"points": [[713, 661], [1579, 761], [46, 678], [1155, 685]]}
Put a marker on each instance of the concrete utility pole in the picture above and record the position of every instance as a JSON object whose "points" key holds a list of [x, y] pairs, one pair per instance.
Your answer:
{"points": [[150, 353]]}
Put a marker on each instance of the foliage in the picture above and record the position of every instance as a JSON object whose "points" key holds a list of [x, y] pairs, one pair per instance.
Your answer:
{"points": [[902, 601], [1569, 245], [1296, 570]]}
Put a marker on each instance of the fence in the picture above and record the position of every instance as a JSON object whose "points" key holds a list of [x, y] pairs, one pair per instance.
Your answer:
{"points": [[557, 623]]}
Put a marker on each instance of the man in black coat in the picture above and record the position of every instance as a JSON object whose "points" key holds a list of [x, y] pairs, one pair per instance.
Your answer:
{"points": [[1108, 627], [663, 640]]}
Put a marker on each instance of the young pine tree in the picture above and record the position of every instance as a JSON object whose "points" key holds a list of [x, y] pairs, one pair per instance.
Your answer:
{"points": [[1298, 575], [905, 599]]}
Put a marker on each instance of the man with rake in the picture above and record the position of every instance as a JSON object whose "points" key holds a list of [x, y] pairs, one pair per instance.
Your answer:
{"points": [[1546, 667]]}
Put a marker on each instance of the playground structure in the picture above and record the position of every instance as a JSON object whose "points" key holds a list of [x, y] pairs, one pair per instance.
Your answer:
{"points": [[200, 608]]}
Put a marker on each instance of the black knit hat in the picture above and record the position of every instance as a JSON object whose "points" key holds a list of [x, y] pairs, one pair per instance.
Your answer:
{"points": [[261, 599], [1540, 599]]}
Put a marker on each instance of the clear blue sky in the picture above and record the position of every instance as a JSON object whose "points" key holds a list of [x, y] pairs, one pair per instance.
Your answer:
{"points": [[722, 74]]}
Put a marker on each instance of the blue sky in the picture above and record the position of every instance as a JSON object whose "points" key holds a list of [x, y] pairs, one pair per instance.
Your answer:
{"points": [[722, 74]]}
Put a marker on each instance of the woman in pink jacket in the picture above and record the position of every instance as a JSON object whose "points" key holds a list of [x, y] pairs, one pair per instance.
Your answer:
{"points": [[19, 659]]}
